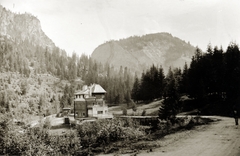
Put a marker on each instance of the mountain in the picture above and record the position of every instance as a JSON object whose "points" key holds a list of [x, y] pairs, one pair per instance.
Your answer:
{"points": [[28, 82], [22, 27], [25, 47], [137, 52]]}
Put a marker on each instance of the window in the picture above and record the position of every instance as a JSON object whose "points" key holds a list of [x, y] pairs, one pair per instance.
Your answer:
{"points": [[100, 112]]}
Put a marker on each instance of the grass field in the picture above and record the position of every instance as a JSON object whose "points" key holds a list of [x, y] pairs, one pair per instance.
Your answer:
{"points": [[151, 108]]}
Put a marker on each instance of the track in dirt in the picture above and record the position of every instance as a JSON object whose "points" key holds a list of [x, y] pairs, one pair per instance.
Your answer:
{"points": [[221, 138]]}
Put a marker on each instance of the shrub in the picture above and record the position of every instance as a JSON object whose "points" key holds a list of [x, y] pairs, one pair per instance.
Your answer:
{"points": [[35, 141], [58, 115], [144, 112], [134, 107], [107, 131], [32, 64], [47, 123], [124, 111], [164, 127]]}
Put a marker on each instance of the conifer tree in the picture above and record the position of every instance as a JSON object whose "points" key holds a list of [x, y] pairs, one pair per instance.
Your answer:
{"points": [[170, 106], [233, 72], [184, 83], [161, 82], [136, 90]]}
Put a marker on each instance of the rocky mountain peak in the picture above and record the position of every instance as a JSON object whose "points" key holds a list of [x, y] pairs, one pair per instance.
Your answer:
{"points": [[139, 52], [21, 27]]}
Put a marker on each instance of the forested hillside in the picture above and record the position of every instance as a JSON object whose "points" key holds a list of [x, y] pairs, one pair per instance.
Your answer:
{"points": [[210, 83], [35, 71]]}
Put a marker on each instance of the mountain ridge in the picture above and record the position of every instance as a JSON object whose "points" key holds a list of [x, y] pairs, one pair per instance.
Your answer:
{"points": [[140, 52]]}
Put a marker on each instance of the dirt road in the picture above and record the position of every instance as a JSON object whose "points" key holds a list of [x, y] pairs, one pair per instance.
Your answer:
{"points": [[221, 138]]}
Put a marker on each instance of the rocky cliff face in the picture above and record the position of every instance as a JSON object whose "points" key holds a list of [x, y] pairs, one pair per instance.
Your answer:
{"points": [[138, 53], [21, 27]]}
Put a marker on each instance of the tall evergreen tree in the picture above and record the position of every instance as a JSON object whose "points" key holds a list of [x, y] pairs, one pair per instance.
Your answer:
{"points": [[170, 106], [184, 84], [161, 82], [232, 77], [136, 90]]}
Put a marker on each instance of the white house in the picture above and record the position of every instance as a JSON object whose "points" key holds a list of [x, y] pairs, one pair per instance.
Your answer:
{"points": [[89, 102]]}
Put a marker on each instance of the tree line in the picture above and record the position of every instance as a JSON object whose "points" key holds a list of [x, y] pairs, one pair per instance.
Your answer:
{"points": [[211, 80], [26, 58], [214, 73]]}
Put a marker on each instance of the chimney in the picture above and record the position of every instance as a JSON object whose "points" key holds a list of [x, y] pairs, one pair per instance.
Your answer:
{"points": [[90, 91], [84, 88]]}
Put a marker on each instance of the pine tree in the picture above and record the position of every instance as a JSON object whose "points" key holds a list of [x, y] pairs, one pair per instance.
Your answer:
{"points": [[128, 97], [184, 83], [161, 82], [64, 101], [136, 90], [169, 109], [170, 106], [209, 49], [232, 77], [41, 103]]}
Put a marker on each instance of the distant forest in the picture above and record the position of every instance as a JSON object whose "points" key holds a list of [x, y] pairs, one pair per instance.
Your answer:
{"points": [[212, 78], [212, 82], [26, 58]]}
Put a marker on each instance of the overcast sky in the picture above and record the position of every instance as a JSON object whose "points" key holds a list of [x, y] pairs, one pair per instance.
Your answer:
{"points": [[82, 25]]}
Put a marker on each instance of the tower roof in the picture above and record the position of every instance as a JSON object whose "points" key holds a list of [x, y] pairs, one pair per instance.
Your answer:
{"points": [[97, 89]]}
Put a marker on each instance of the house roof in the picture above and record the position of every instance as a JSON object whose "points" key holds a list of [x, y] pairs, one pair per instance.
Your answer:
{"points": [[97, 89], [85, 92]]}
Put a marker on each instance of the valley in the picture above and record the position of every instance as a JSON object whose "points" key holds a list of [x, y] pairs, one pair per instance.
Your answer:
{"points": [[143, 95]]}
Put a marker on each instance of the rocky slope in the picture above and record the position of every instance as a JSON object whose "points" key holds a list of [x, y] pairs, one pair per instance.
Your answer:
{"points": [[26, 55], [21, 27], [137, 53]]}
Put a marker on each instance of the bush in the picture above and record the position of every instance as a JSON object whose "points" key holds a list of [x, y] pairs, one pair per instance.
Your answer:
{"points": [[164, 127], [35, 141], [107, 131], [47, 123], [32, 64], [124, 111], [144, 112]]}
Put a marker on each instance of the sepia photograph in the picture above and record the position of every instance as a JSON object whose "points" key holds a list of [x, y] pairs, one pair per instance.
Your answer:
{"points": [[119, 77]]}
